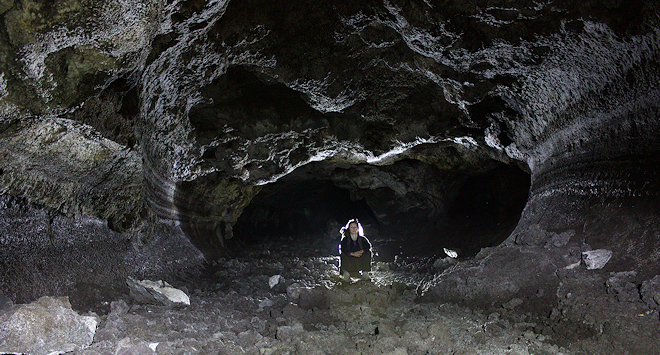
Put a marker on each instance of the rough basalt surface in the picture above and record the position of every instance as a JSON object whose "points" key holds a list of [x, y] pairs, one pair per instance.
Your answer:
{"points": [[146, 138]]}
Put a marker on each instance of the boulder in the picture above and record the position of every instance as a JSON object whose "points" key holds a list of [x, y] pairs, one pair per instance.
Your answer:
{"points": [[559, 240], [288, 333], [621, 286], [46, 326], [274, 280], [596, 259], [650, 292], [156, 292], [294, 290]]}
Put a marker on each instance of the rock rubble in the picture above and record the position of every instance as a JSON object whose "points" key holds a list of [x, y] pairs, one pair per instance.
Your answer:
{"points": [[234, 310]]}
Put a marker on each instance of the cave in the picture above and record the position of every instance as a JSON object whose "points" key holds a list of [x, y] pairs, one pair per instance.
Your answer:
{"points": [[473, 212], [175, 176]]}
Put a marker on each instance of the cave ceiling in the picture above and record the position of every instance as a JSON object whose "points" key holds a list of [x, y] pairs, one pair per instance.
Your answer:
{"points": [[187, 110]]}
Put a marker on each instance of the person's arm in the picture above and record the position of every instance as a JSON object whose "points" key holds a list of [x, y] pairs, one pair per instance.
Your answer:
{"points": [[366, 245], [348, 246]]}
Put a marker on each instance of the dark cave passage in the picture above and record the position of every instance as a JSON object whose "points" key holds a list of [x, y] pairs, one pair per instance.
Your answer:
{"points": [[486, 209], [305, 207], [446, 210]]}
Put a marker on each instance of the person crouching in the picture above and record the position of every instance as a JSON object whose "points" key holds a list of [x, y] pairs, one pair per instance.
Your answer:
{"points": [[355, 251]]}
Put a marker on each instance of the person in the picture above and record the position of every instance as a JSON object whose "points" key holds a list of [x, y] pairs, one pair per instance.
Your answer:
{"points": [[354, 250]]}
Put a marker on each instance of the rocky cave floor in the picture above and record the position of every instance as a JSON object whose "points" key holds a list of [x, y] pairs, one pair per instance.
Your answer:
{"points": [[311, 310], [286, 297]]}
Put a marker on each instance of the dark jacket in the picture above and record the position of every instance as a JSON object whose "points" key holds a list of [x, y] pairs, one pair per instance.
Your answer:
{"points": [[348, 246]]}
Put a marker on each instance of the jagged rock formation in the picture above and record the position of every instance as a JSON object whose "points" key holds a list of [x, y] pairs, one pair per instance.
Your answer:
{"points": [[464, 124], [46, 326]]}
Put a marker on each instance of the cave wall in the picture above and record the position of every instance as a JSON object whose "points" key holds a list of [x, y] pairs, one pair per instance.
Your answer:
{"points": [[180, 112]]}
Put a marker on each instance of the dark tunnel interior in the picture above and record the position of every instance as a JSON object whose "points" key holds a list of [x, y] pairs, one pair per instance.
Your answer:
{"points": [[303, 208], [474, 212]]}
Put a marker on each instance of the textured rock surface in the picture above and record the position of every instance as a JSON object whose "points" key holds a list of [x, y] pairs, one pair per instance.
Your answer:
{"points": [[141, 138], [43, 252], [156, 292], [71, 168], [46, 326], [240, 313]]}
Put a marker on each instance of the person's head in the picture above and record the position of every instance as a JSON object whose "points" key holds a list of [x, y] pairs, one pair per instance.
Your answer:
{"points": [[353, 228]]}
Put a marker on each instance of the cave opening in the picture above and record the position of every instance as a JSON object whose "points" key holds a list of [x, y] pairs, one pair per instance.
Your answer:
{"points": [[408, 208], [437, 200], [312, 207]]}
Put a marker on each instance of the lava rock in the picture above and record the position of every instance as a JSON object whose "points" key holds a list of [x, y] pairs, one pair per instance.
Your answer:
{"points": [[596, 259], [46, 326], [311, 298], [559, 240], [156, 292], [274, 280], [288, 333], [443, 263], [114, 326], [294, 290], [534, 235], [650, 292], [620, 285], [128, 346]]}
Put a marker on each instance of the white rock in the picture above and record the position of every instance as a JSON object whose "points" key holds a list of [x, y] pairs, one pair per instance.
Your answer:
{"points": [[572, 266], [175, 295], [450, 253], [596, 259], [274, 280], [159, 291]]}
